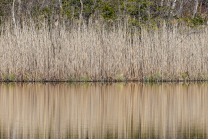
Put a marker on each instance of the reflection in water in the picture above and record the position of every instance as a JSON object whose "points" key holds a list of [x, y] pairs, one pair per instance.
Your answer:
{"points": [[118, 110]]}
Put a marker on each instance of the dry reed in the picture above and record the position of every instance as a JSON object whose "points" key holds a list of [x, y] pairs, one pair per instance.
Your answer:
{"points": [[94, 53]]}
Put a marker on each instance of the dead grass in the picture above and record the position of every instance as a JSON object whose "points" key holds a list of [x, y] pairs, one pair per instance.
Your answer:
{"points": [[95, 53]]}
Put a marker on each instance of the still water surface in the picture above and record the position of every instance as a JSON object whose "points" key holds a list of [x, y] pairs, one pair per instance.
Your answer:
{"points": [[118, 110]]}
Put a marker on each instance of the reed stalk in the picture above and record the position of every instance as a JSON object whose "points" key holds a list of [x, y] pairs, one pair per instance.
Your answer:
{"points": [[96, 53]]}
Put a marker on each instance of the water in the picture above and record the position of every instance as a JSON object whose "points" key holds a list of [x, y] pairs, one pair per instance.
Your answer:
{"points": [[118, 110]]}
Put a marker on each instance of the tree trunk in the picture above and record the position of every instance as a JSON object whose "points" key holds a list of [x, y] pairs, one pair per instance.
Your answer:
{"points": [[19, 7], [162, 1], [19, 12], [196, 3], [13, 16], [80, 15], [173, 6], [180, 9], [60, 3]]}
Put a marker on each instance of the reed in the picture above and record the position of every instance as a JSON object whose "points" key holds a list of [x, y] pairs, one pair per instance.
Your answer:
{"points": [[96, 53]]}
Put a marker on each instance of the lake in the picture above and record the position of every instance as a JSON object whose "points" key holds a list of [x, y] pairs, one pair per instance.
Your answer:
{"points": [[103, 110]]}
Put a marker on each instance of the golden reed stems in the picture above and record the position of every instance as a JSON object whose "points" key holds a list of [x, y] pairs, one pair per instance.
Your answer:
{"points": [[95, 53]]}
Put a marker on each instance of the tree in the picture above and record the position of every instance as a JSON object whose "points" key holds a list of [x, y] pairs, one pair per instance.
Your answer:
{"points": [[13, 16], [196, 3]]}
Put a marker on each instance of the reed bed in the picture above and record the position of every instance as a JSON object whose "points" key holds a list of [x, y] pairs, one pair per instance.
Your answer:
{"points": [[96, 53]]}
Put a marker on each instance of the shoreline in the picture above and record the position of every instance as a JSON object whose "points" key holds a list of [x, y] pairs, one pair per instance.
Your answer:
{"points": [[106, 81]]}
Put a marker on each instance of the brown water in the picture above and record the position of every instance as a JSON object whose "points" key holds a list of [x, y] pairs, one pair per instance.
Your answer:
{"points": [[118, 110]]}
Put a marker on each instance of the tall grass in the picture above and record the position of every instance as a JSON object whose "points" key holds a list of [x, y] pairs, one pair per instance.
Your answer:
{"points": [[96, 53]]}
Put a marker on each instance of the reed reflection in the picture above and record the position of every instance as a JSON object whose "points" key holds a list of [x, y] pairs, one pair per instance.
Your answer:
{"points": [[118, 110]]}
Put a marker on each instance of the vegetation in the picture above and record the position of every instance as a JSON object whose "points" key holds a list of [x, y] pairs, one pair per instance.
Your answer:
{"points": [[136, 12], [93, 53], [103, 40]]}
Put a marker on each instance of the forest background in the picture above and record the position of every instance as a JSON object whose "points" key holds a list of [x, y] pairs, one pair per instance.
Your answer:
{"points": [[135, 12]]}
